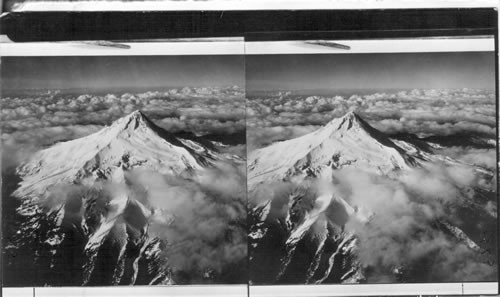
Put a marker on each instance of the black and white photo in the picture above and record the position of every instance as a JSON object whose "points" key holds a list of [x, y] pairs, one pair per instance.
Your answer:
{"points": [[123, 170], [264, 149], [372, 168]]}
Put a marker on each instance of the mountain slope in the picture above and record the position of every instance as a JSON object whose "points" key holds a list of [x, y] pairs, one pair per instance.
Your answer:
{"points": [[300, 203]]}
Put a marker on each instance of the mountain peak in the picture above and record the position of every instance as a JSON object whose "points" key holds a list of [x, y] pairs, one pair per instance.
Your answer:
{"points": [[348, 121], [351, 115], [352, 123], [136, 114], [132, 121]]}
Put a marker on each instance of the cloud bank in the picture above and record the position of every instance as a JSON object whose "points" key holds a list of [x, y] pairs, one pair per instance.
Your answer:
{"points": [[420, 112], [31, 122]]}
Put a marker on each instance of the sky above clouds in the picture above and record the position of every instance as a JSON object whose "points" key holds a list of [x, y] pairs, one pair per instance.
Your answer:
{"points": [[371, 71], [108, 72]]}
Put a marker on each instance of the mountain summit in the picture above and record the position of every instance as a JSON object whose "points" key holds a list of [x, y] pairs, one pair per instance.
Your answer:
{"points": [[345, 141], [348, 121], [351, 121], [135, 118]]}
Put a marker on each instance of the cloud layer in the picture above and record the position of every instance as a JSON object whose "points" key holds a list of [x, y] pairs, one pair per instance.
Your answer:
{"points": [[31, 122], [421, 112]]}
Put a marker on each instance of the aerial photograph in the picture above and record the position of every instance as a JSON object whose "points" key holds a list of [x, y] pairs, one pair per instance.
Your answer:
{"points": [[123, 170], [372, 168]]}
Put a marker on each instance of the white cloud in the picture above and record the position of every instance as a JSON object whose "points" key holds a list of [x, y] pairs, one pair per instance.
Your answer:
{"points": [[39, 121], [420, 112]]}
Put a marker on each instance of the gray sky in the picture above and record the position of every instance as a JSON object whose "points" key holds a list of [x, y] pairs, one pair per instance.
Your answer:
{"points": [[371, 71], [104, 72]]}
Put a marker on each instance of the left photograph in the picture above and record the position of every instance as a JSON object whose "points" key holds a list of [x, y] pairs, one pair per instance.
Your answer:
{"points": [[123, 170]]}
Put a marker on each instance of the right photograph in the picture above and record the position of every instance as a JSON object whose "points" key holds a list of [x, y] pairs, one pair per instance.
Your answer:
{"points": [[372, 168]]}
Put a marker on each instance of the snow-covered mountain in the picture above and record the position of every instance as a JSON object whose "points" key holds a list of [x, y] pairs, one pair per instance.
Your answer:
{"points": [[346, 141], [298, 213], [130, 142], [79, 214]]}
